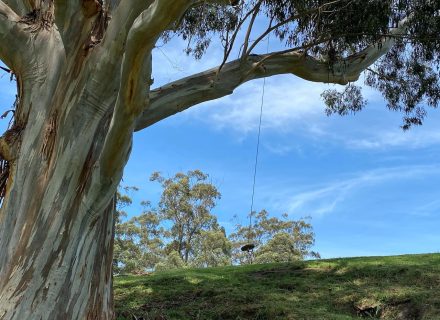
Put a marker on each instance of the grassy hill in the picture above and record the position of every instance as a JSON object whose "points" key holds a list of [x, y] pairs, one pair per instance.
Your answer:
{"points": [[400, 287]]}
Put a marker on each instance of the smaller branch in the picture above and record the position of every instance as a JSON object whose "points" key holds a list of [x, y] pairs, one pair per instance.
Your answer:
{"points": [[13, 37], [284, 22], [385, 77], [141, 39], [75, 19], [6, 13], [256, 10], [122, 20], [230, 44]]}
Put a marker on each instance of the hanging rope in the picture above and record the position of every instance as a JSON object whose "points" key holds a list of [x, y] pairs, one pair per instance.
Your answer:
{"points": [[257, 152], [250, 246]]}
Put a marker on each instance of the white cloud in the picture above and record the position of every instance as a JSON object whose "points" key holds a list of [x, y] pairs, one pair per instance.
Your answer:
{"points": [[289, 103]]}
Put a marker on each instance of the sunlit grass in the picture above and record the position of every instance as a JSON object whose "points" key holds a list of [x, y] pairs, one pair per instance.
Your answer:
{"points": [[339, 289]]}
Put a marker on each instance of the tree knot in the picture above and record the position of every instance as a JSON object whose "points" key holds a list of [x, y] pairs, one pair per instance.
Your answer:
{"points": [[98, 30], [40, 18]]}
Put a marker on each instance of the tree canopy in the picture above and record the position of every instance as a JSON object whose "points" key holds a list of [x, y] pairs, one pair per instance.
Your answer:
{"points": [[181, 231], [186, 201], [394, 43], [275, 239]]}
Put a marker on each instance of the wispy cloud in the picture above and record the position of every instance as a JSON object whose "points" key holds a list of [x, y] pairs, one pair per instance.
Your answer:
{"points": [[318, 200], [414, 139], [281, 149], [428, 209], [170, 62]]}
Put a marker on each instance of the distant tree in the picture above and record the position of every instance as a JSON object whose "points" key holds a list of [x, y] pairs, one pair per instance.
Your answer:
{"points": [[212, 248], [171, 261], [138, 241], [124, 249], [186, 202], [275, 240], [180, 232], [288, 245]]}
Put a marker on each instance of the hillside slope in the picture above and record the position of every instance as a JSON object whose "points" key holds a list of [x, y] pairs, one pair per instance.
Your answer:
{"points": [[399, 287]]}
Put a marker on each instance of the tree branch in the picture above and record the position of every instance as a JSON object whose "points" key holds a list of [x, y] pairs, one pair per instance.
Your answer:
{"points": [[13, 37], [182, 94], [141, 39], [74, 20], [63, 13], [126, 13], [135, 74], [271, 28], [209, 85], [119, 27], [213, 84]]}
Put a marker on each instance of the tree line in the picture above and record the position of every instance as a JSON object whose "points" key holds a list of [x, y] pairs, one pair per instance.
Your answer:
{"points": [[181, 231]]}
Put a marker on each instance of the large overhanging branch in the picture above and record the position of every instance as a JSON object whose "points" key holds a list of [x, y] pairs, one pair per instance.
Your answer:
{"points": [[214, 83], [209, 85]]}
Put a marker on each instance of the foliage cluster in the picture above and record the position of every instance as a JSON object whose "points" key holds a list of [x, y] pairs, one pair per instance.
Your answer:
{"points": [[183, 232], [407, 76]]}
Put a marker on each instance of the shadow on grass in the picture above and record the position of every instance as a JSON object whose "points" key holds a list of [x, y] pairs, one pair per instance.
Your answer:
{"points": [[387, 288]]}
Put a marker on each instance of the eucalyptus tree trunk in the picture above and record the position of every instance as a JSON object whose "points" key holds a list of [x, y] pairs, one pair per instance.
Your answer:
{"points": [[62, 158], [83, 83], [56, 218]]}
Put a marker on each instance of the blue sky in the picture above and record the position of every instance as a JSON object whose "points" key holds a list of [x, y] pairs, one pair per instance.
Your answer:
{"points": [[370, 188]]}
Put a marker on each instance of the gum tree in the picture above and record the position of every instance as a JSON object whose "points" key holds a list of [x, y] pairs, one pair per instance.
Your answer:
{"points": [[84, 86], [186, 203]]}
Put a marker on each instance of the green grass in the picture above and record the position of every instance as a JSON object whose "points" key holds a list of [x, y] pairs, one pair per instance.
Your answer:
{"points": [[399, 287]]}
